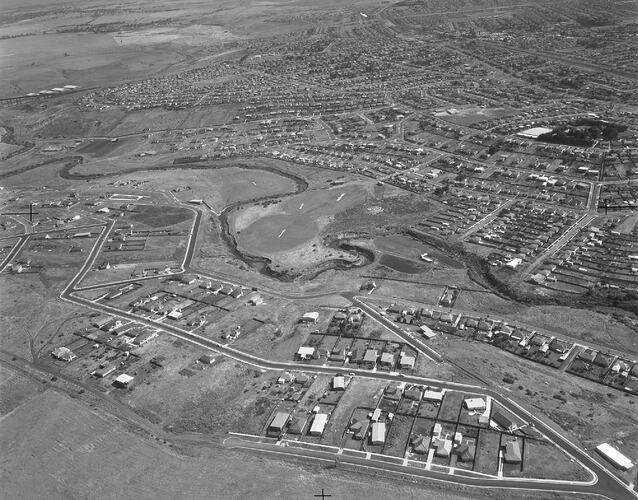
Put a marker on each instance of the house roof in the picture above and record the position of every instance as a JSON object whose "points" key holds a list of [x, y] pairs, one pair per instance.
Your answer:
{"points": [[432, 394], [356, 426], [421, 448], [123, 379], [63, 353], [614, 456], [280, 420], [502, 420], [378, 432], [413, 393], [417, 440], [319, 423], [512, 452], [465, 452], [297, 424], [475, 403], [370, 355], [310, 316], [387, 357], [306, 350], [443, 447], [338, 382]]}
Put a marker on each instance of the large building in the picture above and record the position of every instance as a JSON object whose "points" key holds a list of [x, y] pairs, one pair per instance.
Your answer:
{"points": [[610, 453], [378, 433], [318, 424]]}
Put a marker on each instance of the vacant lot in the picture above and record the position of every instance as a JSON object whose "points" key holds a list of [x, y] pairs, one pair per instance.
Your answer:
{"points": [[486, 458], [398, 436], [451, 406], [544, 460]]}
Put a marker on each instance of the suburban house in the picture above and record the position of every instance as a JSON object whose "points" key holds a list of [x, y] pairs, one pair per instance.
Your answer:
{"points": [[443, 447], [338, 354], [406, 362], [305, 352], [512, 452], [420, 445], [465, 452], [309, 317], [123, 380], [285, 377], [278, 423], [206, 359], [413, 393], [387, 359], [339, 383], [475, 404], [378, 433], [427, 332], [370, 358], [433, 394], [358, 429], [63, 354], [297, 424]]}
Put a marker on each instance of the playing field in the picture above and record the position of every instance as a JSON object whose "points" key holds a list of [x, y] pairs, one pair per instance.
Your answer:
{"points": [[297, 220]]}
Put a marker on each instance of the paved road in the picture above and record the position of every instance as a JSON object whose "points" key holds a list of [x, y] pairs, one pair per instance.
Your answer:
{"points": [[487, 219], [565, 238], [594, 195], [390, 325], [477, 482], [607, 484], [14, 251]]}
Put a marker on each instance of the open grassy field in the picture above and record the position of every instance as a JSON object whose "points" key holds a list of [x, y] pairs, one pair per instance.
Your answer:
{"points": [[15, 390], [486, 459], [544, 460], [56, 448], [294, 221], [410, 248], [218, 187], [160, 216]]}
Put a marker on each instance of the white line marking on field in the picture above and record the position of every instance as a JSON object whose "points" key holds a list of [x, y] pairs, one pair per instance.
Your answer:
{"points": [[300, 206], [282, 233], [341, 196]]}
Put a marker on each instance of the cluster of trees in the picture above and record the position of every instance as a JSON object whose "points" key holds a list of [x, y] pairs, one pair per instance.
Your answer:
{"points": [[583, 132]]}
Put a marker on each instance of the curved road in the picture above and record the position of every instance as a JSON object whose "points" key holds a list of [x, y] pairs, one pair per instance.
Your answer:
{"points": [[605, 484]]}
